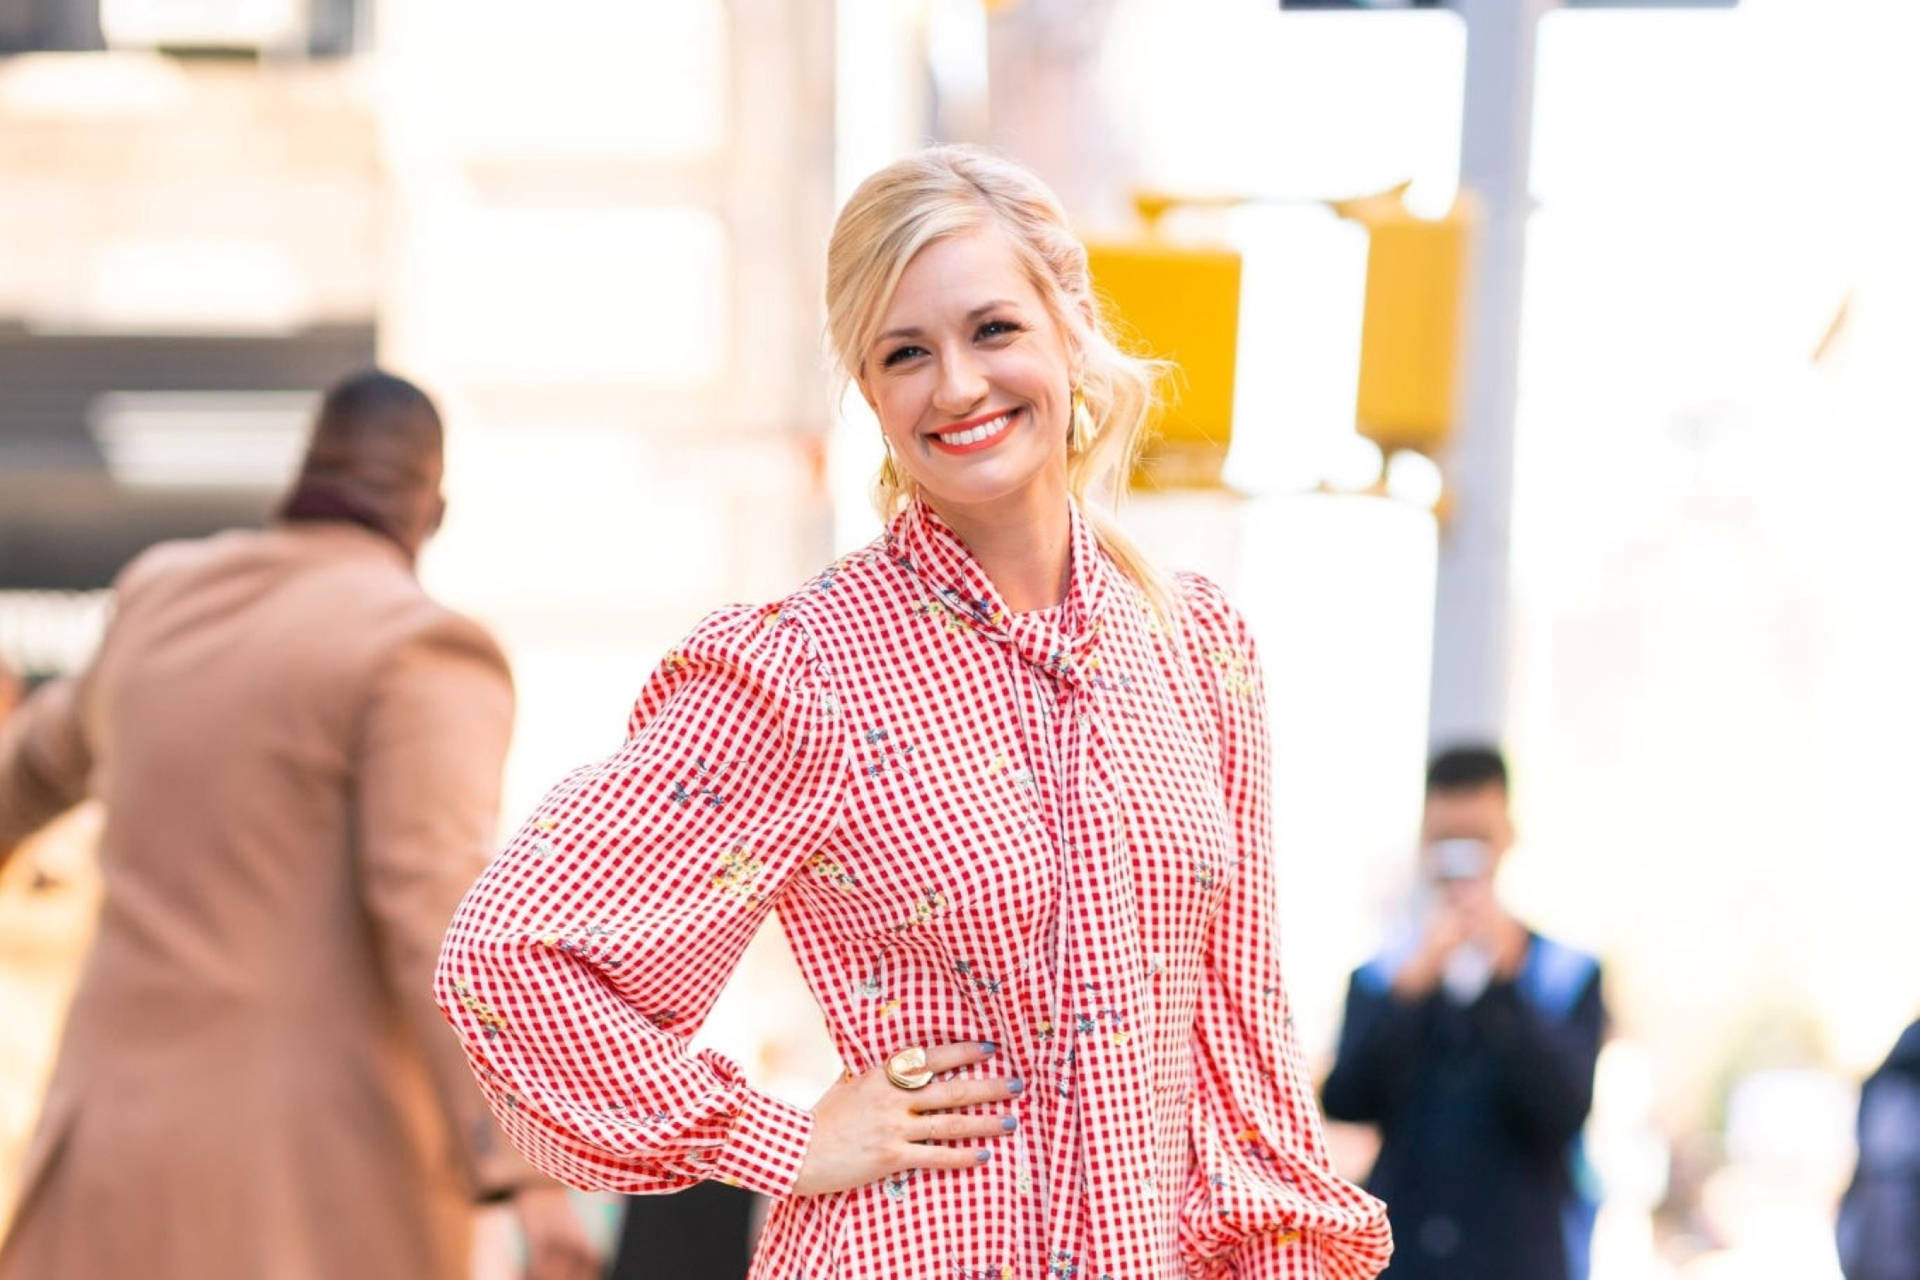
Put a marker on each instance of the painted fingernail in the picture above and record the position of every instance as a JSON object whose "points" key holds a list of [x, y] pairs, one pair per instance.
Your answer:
{"points": [[988, 1046], [1010, 1123], [1015, 1086], [983, 1156]]}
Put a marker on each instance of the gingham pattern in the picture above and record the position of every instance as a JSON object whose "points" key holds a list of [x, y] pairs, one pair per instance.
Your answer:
{"points": [[1047, 830]]}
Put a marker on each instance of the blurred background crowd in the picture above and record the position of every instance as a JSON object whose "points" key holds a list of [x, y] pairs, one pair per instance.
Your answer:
{"points": [[1650, 539]]}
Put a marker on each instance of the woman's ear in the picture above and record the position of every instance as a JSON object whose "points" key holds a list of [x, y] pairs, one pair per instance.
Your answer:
{"points": [[1077, 339], [1085, 321]]}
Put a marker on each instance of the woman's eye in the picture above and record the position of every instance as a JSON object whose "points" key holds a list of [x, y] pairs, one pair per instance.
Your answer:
{"points": [[998, 329], [897, 355]]}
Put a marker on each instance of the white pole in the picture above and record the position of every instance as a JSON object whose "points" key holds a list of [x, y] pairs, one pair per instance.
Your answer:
{"points": [[1470, 640]]}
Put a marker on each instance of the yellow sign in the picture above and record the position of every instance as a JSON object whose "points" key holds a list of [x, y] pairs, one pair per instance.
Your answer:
{"points": [[1181, 304], [1411, 338]]}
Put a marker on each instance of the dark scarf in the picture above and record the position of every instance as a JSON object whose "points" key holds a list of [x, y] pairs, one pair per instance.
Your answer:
{"points": [[316, 498]]}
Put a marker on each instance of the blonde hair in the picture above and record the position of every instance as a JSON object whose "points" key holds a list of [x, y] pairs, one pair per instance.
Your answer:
{"points": [[952, 190]]}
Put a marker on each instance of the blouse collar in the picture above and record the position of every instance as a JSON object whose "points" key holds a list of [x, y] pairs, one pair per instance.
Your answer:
{"points": [[1059, 640]]}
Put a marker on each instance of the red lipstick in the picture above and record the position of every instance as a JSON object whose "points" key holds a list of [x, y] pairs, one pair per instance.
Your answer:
{"points": [[1007, 418]]}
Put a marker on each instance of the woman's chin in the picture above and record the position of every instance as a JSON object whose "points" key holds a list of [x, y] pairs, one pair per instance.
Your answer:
{"points": [[988, 481], [984, 491]]}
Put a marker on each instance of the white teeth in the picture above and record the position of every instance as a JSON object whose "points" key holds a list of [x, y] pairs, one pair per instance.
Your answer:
{"points": [[973, 435]]}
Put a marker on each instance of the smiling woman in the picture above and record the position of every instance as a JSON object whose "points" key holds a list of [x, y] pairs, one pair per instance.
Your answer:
{"points": [[1013, 812]]}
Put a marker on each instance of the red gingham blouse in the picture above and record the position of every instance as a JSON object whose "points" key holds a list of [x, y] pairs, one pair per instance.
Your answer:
{"points": [[1048, 830]]}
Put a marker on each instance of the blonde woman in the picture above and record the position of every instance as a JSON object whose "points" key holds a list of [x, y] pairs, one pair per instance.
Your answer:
{"points": [[1007, 790]]}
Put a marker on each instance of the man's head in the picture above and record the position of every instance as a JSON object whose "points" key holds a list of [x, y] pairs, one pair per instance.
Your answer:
{"points": [[374, 457], [1466, 805]]}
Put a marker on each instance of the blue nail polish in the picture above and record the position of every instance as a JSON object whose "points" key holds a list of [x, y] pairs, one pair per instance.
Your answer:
{"points": [[988, 1046], [1015, 1086], [1010, 1123], [984, 1156]]}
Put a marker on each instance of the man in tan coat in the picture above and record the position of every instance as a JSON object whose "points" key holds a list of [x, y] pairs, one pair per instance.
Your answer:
{"points": [[299, 755]]}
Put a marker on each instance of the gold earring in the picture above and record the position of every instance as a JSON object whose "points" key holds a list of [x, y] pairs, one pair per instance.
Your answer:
{"points": [[889, 474], [1080, 438]]}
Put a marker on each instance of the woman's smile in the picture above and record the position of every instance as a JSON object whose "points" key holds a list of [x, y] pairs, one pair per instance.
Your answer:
{"points": [[974, 434]]}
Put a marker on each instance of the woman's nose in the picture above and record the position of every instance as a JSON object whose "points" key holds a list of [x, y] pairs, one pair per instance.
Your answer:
{"points": [[961, 385]]}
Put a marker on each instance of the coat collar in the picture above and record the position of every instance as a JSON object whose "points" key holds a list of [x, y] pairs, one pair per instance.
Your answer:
{"points": [[341, 537], [1058, 641]]}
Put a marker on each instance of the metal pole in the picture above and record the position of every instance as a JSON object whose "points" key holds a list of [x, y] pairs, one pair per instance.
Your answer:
{"points": [[1468, 698]]}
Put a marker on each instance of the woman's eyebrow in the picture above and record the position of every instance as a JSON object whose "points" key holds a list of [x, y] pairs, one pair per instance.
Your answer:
{"points": [[912, 331]]}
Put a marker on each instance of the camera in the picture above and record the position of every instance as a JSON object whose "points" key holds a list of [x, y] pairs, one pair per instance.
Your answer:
{"points": [[1459, 859]]}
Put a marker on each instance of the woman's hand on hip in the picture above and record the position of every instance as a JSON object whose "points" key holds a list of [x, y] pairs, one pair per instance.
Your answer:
{"points": [[866, 1126]]}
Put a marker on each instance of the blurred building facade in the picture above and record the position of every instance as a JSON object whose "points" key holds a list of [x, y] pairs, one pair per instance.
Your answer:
{"points": [[594, 232]]}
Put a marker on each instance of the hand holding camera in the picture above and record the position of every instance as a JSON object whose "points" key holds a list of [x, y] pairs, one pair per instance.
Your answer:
{"points": [[1467, 938]]}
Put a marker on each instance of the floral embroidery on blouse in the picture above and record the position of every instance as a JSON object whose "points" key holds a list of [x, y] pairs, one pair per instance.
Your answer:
{"points": [[705, 786], [823, 581], [488, 1017], [1005, 766], [542, 845], [586, 944], [832, 872], [884, 754], [978, 981], [1235, 676], [978, 609], [506, 1092], [925, 910], [738, 873], [939, 612]]}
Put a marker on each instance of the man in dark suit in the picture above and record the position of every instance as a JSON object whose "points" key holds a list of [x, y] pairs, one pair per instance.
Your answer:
{"points": [[1470, 1042], [1879, 1226]]}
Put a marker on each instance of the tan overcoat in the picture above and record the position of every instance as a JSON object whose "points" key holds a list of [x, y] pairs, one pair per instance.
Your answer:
{"points": [[300, 757]]}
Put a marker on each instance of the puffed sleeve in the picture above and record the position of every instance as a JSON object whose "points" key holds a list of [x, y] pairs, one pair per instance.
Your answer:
{"points": [[1263, 1202], [586, 956]]}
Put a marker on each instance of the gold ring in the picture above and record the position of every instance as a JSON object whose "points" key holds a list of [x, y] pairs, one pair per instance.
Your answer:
{"points": [[908, 1068]]}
